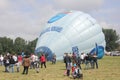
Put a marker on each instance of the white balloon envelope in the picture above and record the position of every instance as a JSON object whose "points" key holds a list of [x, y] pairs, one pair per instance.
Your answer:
{"points": [[72, 31]]}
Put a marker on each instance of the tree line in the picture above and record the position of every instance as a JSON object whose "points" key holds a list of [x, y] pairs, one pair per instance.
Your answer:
{"points": [[19, 45], [16, 46]]}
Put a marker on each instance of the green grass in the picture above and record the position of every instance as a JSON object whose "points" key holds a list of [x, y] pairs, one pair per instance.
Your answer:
{"points": [[109, 69]]}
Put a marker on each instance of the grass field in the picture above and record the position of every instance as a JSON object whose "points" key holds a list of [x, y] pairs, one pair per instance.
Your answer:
{"points": [[109, 69]]}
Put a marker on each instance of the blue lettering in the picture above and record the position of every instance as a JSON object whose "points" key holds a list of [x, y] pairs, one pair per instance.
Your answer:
{"points": [[54, 28]]}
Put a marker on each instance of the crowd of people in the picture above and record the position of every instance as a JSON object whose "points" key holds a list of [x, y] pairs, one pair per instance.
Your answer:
{"points": [[73, 63], [10, 61]]}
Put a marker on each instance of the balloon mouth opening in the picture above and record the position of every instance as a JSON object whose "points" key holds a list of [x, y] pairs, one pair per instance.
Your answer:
{"points": [[99, 51], [46, 51]]}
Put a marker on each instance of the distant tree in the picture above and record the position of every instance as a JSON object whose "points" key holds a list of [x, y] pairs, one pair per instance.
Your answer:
{"points": [[119, 45], [31, 46], [1, 48], [6, 44], [19, 45], [111, 37]]}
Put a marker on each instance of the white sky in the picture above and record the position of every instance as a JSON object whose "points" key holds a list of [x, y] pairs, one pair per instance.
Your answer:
{"points": [[26, 18]]}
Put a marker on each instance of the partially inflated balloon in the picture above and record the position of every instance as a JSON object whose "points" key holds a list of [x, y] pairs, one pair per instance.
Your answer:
{"points": [[71, 31]]}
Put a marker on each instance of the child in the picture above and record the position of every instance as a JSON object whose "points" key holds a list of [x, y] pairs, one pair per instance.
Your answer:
{"points": [[77, 73], [73, 69]]}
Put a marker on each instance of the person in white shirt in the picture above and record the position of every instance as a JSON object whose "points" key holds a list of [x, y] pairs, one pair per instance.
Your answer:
{"points": [[82, 57], [32, 59], [1, 60], [36, 64], [15, 58]]}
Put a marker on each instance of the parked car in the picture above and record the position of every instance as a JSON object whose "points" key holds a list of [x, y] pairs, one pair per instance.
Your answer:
{"points": [[115, 53]]}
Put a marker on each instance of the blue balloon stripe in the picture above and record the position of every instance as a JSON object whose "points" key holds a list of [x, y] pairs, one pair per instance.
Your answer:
{"points": [[57, 17]]}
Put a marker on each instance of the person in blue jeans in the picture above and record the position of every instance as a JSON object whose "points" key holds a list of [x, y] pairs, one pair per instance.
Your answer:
{"points": [[87, 61], [12, 63]]}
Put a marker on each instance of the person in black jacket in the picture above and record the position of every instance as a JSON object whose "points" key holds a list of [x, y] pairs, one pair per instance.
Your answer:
{"points": [[12, 62], [67, 60], [95, 60]]}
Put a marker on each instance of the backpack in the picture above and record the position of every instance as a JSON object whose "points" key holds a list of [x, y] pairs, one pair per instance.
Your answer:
{"points": [[12, 61]]}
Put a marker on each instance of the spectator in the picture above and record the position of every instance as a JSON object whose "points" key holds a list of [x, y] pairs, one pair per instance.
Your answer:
{"points": [[79, 62], [82, 57], [1, 60], [95, 60], [67, 60], [54, 59], [20, 59], [32, 60], [26, 64], [6, 63], [87, 61], [12, 63], [36, 64], [68, 69], [18, 66], [43, 60]]}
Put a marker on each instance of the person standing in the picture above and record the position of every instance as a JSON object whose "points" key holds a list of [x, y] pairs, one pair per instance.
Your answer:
{"points": [[79, 62], [68, 69], [87, 61], [12, 63], [26, 64], [1, 60], [82, 57], [95, 61], [32, 59], [18, 66], [54, 59], [6, 62], [20, 59], [36, 64], [67, 60], [43, 60]]}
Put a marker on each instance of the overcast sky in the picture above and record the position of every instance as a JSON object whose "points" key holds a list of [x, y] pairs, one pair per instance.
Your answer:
{"points": [[26, 18]]}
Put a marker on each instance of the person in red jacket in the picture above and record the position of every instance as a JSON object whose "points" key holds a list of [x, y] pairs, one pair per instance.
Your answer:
{"points": [[43, 60]]}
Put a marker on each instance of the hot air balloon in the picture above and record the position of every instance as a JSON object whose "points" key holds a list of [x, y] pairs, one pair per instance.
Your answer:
{"points": [[71, 31]]}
